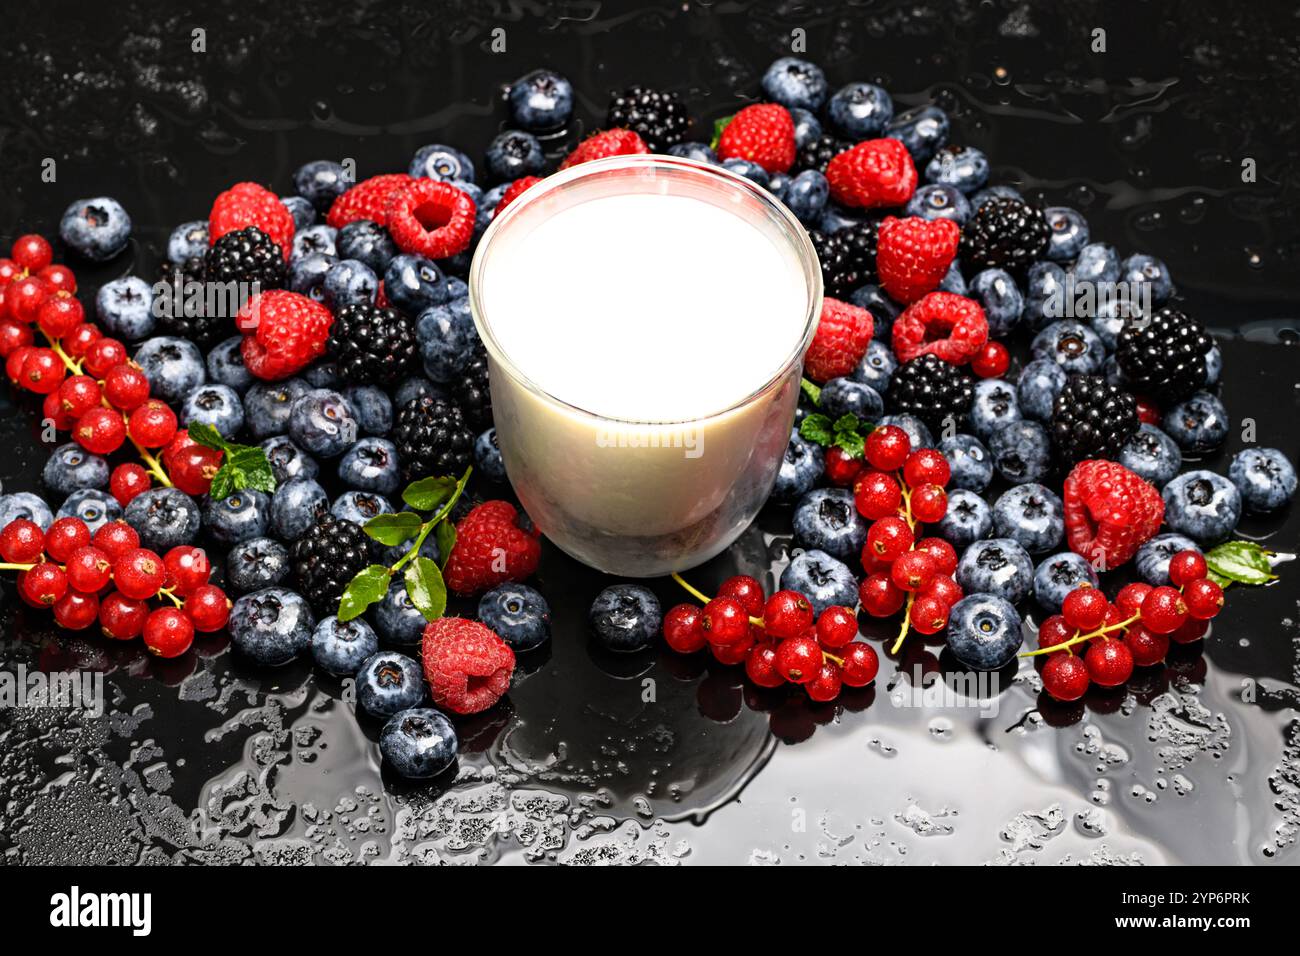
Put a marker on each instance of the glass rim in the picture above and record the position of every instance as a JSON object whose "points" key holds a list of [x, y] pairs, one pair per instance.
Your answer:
{"points": [[794, 231]]}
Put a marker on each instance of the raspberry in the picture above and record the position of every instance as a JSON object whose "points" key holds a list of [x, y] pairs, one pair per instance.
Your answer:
{"points": [[1066, 677], [878, 172], [913, 255], [491, 547], [289, 332], [1109, 512], [513, 192], [22, 541], [843, 333], [799, 659], [367, 200], [684, 629], [1110, 663], [467, 666], [746, 591], [725, 621], [121, 617], [248, 204], [606, 143], [944, 324], [787, 614], [168, 632], [879, 596], [431, 218], [763, 134], [861, 664], [64, 537]]}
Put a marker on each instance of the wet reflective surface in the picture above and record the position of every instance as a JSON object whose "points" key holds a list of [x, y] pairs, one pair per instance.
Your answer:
{"points": [[653, 757]]}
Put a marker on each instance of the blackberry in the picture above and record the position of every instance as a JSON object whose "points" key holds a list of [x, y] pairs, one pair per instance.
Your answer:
{"points": [[819, 152], [471, 391], [847, 257], [1092, 419], [1165, 357], [186, 315], [432, 438], [372, 345], [246, 255], [932, 390], [326, 559], [657, 117], [1004, 234]]}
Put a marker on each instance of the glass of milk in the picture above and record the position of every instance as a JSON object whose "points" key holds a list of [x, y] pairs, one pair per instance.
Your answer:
{"points": [[645, 319]]}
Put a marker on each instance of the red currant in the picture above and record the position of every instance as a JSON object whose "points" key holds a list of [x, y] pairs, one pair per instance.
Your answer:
{"points": [[209, 608], [59, 278], [76, 611], [1163, 610], [127, 481], [43, 371], [1190, 631], [861, 664], [799, 659], [14, 362], [826, 685], [22, 541], [193, 467], [944, 588], [929, 615], [1054, 630], [32, 252], [9, 270], [836, 626], [887, 448], [877, 495], [168, 632], [1085, 608], [683, 628], [1110, 663], [1066, 677], [78, 395], [23, 297], [153, 424], [787, 614], [44, 584], [912, 571], [100, 430], [841, 467], [89, 569], [1148, 412], [760, 665], [879, 596], [53, 414], [13, 335], [926, 466], [187, 569], [1130, 597], [1204, 599], [103, 355], [65, 536], [991, 361], [929, 503], [1186, 567], [888, 538], [121, 617], [59, 315], [725, 621], [116, 538], [126, 387], [78, 342], [139, 573], [1146, 648], [944, 554], [747, 591]]}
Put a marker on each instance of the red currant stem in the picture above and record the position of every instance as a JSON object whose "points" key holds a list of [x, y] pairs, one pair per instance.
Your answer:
{"points": [[907, 503], [705, 599], [5, 566], [171, 596], [1082, 638], [828, 656], [72, 365], [907, 620], [152, 465]]}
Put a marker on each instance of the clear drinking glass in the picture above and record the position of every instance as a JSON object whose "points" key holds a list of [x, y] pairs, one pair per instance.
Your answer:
{"points": [[643, 498]]}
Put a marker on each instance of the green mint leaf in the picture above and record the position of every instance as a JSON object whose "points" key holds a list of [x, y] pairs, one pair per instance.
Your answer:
{"points": [[369, 586], [847, 424], [207, 436], [223, 483], [851, 443], [718, 126], [1244, 562], [426, 494], [425, 586], [394, 529], [817, 428], [445, 535], [251, 466], [1218, 579], [813, 392]]}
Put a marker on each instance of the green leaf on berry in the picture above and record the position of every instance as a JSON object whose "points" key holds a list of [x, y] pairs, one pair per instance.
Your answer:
{"points": [[851, 434], [426, 494], [813, 391], [426, 588], [445, 535], [368, 587], [207, 436], [817, 428], [242, 466], [394, 529], [718, 126], [1242, 562]]}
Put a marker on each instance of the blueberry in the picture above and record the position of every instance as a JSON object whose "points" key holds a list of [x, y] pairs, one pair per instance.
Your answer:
{"points": [[1213, 366], [953, 281], [271, 626], [303, 212], [1198, 423], [1202, 505], [1021, 452], [883, 309], [125, 308], [94, 507], [173, 366], [995, 406], [414, 284], [419, 743], [442, 163], [699, 152], [997, 566], [321, 181], [917, 433], [72, 468], [417, 386], [24, 504], [939, 201], [513, 154], [793, 82], [822, 579], [807, 127], [1111, 316], [323, 374], [1040, 382], [1140, 270], [518, 614], [1098, 263], [1001, 191], [838, 217], [447, 338], [239, 517], [287, 460], [368, 243], [877, 367], [540, 101], [257, 563], [487, 456], [341, 647], [188, 240], [801, 466], [226, 365], [297, 504], [751, 171], [1152, 559], [307, 274], [1067, 233], [967, 519], [1264, 477], [969, 462], [843, 396], [96, 229], [1001, 298], [360, 506], [1151, 455], [396, 618], [1031, 515], [215, 405], [860, 110], [963, 167], [321, 422], [349, 282], [827, 520], [1071, 345], [319, 241], [164, 518], [371, 465], [922, 129], [806, 196], [625, 617], [1058, 575], [1045, 288], [984, 632]]}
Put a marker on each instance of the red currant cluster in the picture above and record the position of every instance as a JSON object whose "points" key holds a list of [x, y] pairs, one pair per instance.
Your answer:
{"points": [[1135, 631], [108, 577], [91, 387], [901, 490], [778, 639]]}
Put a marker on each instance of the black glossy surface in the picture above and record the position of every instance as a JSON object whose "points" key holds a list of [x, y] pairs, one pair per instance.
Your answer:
{"points": [[206, 759]]}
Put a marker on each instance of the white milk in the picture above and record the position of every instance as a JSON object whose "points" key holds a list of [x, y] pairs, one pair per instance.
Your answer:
{"points": [[660, 311]]}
